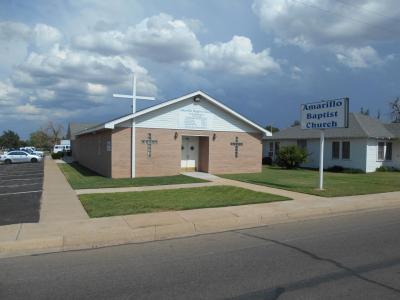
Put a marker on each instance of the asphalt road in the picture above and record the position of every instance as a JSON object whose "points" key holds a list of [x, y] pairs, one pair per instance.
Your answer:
{"points": [[349, 257], [20, 192]]}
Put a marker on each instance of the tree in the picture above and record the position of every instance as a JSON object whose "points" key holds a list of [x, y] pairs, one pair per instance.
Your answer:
{"points": [[9, 139], [291, 157], [295, 123], [54, 132], [271, 128], [364, 112], [395, 110], [40, 139]]}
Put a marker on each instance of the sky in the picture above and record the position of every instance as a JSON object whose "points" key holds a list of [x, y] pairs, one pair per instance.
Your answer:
{"points": [[61, 61]]}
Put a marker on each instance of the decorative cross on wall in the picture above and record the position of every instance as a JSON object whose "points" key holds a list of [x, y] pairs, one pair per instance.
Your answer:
{"points": [[149, 141], [236, 143]]}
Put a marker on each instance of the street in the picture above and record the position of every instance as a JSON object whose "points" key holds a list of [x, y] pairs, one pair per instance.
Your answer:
{"points": [[356, 256]]}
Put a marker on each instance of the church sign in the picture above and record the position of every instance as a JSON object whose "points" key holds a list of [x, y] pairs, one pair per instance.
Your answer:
{"points": [[329, 114], [325, 114], [194, 117]]}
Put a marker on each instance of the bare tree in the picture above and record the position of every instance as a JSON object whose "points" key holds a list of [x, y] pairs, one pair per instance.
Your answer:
{"points": [[54, 131], [395, 110]]}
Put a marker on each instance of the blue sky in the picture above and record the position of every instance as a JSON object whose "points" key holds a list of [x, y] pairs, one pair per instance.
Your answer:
{"points": [[62, 60]]}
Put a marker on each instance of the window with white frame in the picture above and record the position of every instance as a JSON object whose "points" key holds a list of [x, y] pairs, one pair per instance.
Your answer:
{"points": [[388, 152], [335, 150], [346, 150], [385, 150], [271, 150]]}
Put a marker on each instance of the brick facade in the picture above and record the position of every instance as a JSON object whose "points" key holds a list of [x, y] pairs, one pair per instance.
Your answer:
{"points": [[216, 155], [90, 150]]}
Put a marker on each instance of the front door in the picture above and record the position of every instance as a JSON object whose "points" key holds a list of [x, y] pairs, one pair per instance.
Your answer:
{"points": [[189, 153]]}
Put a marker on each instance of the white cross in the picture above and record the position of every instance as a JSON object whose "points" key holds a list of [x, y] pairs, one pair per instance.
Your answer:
{"points": [[134, 97]]}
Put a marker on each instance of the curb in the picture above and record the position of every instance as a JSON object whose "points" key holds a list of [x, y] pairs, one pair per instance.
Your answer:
{"points": [[98, 239]]}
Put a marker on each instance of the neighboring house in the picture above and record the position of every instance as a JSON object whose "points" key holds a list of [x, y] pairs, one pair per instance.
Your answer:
{"points": [[366, 144]]}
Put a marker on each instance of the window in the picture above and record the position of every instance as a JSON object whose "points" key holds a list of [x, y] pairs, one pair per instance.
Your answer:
{"points": [[345, 150], [335, 150], [381, 150], [271, 150], [302, 144], [385, 151], [388, 154], [276, 148]]}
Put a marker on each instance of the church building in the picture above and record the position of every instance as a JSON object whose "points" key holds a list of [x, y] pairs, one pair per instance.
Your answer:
{"points": [[192, 133]]}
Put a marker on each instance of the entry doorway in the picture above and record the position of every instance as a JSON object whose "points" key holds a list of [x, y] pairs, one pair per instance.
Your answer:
{"points": [[194, 153]]}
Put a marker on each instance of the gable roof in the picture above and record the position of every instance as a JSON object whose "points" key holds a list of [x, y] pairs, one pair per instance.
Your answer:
{"points": [[74, 128], [394, 128], [112, 123], [360, 126]]}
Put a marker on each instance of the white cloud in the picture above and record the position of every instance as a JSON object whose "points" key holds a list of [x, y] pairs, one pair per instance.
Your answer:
{"points": [[345, 29], [46, 35], [237, 57], [363, 57], [161, 38]]}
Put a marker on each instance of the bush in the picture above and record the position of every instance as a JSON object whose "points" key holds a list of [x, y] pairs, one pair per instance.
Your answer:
{"points": [[335, 169], [57, 155], [340, 169], [267, 160], [387, 169], [291, 157]]}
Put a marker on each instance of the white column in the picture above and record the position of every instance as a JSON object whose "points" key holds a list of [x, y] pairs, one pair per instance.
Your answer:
{"points": [[133, 154], [321, 160]]}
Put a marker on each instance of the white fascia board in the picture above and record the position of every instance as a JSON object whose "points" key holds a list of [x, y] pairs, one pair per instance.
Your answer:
{"points": [[111, 124]]}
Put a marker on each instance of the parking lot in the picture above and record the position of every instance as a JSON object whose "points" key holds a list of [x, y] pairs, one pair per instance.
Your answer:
{"points": [[20, 192]]}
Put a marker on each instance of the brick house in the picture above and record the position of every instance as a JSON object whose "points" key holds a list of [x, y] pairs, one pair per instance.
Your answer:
{"points": [[192, 133]]}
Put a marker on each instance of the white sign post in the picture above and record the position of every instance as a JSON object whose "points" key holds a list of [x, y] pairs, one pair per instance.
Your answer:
{"points": [[321, 116], [134, 97]]}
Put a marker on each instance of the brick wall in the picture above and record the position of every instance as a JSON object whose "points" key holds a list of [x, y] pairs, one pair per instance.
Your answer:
{"points": [[90, 150], [166, 154]]}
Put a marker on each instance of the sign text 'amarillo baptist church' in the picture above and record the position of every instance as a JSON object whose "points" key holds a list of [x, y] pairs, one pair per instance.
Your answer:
{"points": [[325, 114]]}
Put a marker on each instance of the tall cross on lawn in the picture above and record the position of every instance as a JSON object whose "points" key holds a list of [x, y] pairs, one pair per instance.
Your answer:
{"points": [[134, 97]]}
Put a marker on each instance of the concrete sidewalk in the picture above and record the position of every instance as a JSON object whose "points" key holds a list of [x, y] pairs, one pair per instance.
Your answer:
{"points": [[59, 200]]}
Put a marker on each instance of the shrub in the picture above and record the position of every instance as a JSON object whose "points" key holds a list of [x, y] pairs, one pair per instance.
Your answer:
{"points": [[57, 155], [340, 169], [291, 157], [335, 169], [387, 169], [267, 160]]}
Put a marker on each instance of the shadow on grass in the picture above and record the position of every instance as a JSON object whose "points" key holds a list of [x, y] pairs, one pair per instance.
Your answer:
{"points": [[83, 171]]}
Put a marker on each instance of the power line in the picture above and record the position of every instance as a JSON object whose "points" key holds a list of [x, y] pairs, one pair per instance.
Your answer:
{"points": [[381, 28], [369, 11]]}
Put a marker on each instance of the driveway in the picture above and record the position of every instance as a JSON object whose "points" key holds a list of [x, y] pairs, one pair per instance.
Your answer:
{"points": [[20, 193]]}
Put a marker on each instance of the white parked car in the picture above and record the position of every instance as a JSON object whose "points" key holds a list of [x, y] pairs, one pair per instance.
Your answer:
{"points": [[32, 150], [19, 157]]}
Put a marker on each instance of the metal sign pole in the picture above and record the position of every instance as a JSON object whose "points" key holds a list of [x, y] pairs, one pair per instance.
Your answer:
{"points": [[321, 160]]}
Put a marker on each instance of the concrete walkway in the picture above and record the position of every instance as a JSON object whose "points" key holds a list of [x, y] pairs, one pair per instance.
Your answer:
{"points": [[145, 188], [59, 200], [64, 225]]}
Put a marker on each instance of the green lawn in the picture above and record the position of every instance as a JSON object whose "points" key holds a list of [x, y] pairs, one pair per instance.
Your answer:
{"points": [[115, 204], [336, 184], [80, 177]]}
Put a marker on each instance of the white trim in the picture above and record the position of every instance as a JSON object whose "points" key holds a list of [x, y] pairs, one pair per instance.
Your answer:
{"points": [[111, 124]]}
